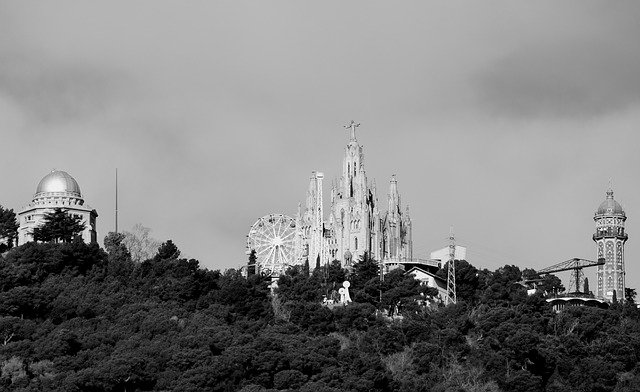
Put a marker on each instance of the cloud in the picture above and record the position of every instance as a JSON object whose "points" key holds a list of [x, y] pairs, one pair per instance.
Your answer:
{"points": [[565, 81], [585, 69], [54, 93]]}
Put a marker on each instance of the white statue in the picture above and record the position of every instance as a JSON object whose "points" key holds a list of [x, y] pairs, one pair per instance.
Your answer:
{"points": [[345, 298]]}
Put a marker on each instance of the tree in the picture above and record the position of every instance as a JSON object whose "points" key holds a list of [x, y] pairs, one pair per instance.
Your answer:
{"points": [[253, 259], [120, 264], [306, 269], [8, 228], [630, 295], [139, 243], [114, 245], [167, 251], [364, 270], [58, 226], [551, 284], [467, 280]]}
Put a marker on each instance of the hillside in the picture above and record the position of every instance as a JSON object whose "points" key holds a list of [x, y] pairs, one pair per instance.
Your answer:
{"points": [[74, 317]]}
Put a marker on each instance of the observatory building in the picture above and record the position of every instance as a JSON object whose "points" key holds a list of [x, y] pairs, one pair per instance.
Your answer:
{"points": [[610, 238], [56, 190]]}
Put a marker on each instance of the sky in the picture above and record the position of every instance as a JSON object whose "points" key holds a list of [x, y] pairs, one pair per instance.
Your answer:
{"points": [[504, 119]]}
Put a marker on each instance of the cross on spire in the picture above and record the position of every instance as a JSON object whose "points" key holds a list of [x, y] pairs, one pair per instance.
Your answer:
{"points": [[352, 126]]}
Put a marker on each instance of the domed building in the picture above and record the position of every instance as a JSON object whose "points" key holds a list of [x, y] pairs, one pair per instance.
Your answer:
{"points": [[610, 238], [56, 190]]}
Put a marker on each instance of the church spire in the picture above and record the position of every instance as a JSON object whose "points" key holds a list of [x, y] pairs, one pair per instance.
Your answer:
{"points": [[394, 197]]}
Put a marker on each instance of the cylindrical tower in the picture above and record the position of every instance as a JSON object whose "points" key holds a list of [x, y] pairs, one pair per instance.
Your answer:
{"points": [[610, 238]]}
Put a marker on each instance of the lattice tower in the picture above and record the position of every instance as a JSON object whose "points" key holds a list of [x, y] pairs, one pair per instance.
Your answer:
{"points": [[451, 274]]}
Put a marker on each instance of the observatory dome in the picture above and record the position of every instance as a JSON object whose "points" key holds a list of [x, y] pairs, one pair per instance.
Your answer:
{"points": [[58, 182], [609, 206]]}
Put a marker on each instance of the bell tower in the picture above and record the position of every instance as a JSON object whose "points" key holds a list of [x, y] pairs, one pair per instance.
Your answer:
{"points": [[610, 238]]}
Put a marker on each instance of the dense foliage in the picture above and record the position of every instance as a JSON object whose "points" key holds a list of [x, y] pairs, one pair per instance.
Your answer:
{"points": [[74, 317], [58, 226], [8, 228]]}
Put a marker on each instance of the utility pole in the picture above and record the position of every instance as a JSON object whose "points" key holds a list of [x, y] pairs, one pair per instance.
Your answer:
{"points": [[116, 200], [451, 274]]}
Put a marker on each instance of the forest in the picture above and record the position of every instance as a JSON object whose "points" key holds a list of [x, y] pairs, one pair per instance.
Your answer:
{"points": [[77, 317]]}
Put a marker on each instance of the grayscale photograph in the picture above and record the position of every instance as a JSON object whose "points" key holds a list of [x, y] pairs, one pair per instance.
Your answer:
{"points": [[321, 196]]}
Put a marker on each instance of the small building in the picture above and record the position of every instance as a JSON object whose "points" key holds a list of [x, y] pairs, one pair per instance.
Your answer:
{"points": [[430, 279], [56, 190], [560, 303]]}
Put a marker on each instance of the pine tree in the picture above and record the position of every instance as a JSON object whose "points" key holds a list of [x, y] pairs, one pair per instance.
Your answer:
{"points": [[306, 268], [8, 228], [586, 285], [251, 266], [167, 251], [58, 226]]}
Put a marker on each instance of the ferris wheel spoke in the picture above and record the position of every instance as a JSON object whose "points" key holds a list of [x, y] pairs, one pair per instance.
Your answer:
{"points": [[282, 255], [269, 258], [286, 235], [265, 249]]}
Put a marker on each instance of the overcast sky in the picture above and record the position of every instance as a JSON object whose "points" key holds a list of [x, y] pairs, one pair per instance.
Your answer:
{"points": [[505, 119]]}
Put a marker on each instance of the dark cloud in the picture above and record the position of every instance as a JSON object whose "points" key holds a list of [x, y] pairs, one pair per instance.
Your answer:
{"points": [[586, 70], [57, 93]]}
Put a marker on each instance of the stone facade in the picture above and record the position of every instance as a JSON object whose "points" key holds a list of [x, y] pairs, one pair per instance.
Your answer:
{"points": [[610, 238], [355, 223], [56, 190]]}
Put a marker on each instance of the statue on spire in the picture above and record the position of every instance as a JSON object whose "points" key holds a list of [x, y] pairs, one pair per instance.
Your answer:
{"points": [[352, 126]]}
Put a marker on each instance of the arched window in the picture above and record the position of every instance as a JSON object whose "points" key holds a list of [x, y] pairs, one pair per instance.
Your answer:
{"points": [[356, 243]]}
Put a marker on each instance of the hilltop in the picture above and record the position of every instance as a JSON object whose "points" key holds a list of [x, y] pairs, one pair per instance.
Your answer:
{"points": [[76, 317]]}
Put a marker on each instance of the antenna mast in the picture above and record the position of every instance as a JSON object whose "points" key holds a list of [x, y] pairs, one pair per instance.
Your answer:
{"points": [[451, 274], [116, 200]]}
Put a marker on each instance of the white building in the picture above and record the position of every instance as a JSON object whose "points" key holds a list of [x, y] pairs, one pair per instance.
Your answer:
{"points": [[442, 255], [610, 238], [357, 222], [56, 190], [430, 279]]}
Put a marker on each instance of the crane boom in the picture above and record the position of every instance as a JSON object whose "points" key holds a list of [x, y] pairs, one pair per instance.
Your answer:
{"points": [[576, 265], [571, 264]]}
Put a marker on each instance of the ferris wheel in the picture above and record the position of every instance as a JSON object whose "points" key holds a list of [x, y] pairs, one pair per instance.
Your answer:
{"points": [[273, 239]]}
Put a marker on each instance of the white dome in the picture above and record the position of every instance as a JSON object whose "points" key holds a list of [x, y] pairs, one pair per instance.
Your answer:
{"points": [[58, 182]]}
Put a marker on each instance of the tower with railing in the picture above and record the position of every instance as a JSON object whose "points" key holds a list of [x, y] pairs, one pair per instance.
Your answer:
{"points": [[610, 238]]}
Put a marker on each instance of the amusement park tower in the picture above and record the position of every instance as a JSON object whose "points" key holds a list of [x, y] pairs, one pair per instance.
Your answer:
{"points": [[610, 238]]}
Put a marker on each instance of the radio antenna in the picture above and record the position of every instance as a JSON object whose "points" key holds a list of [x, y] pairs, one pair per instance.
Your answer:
{"points": [[116, 200]]}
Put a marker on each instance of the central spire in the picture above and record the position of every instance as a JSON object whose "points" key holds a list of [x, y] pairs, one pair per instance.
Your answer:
{"points": [[352, 126]]}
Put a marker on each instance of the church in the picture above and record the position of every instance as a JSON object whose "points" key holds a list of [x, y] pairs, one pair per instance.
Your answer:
{"points": [[56, 190], [356, 222]]}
